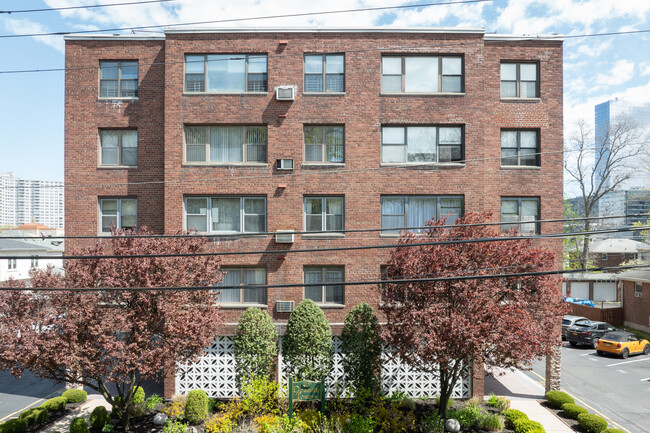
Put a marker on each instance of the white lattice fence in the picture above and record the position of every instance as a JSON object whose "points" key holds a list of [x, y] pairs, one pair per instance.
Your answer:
{"points": [[215, 373]]}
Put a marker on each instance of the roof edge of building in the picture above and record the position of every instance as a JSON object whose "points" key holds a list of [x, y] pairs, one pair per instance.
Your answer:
{"points": [[125, 37]]}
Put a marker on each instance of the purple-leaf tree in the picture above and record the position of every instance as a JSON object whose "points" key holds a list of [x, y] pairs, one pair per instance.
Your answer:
{"points": [[94, 338], [446, 326]]}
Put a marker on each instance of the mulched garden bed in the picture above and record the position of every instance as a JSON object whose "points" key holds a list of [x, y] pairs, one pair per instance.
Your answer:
{"points": [[52, 417], [573, 423]]}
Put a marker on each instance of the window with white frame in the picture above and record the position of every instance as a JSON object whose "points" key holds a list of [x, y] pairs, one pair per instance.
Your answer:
{"points": [[325, 294], [11, 264], [225, 214], [241, 283], [324, 73], [516, 211], [121, 213], [422, 144], [225, 73], [225, 144], [34, 262], [119, 146], [520, 147], [421, 74], [399, 212], [323, 214], [324, 144], [638, 289], [519, 80], [118, 79]]}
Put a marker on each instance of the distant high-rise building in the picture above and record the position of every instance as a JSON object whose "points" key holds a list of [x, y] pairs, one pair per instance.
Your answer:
{"points": [[608, 113], [24, 201]]}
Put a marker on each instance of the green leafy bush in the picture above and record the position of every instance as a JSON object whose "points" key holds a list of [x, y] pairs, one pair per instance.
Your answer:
{"points": [[260, 396], [557, 398], [255, 344], [592, 423], [218, 424], [573, 410], [174, 426], [108, 428], [99, 417], [359, 424], [307, 346], [612, 430], [490, 422], [34, 416], [511, 415], [389, 417], [521, 425], [153, 400], [466, 416], [78, 425], [499, 403], [196, 406], [15, 425], [138, 396], [361, 347], [54, 404], [75, 395], [432, 423]]}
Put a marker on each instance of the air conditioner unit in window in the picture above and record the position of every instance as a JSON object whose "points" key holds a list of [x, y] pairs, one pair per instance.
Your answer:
{"points": [[636, 294], [284, 306], [285, 93], [284, 237], [284, 164]]}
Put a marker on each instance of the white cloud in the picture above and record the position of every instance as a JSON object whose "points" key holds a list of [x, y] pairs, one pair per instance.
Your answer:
{"points": [[621, 72], [645, 68], [21, 26]]}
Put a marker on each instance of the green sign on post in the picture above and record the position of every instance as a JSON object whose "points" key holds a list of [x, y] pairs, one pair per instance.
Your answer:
{"points": [[306, 390]]}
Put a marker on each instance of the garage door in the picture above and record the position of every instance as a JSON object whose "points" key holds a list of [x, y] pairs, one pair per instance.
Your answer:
{"points": [[605, 292], [564, 289], [580, 290]]}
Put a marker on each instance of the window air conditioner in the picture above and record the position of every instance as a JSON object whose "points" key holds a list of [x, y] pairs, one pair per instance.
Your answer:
{"points": [[284, 237], [284, 306], [285, 93], [284, 164], [637, 294]]}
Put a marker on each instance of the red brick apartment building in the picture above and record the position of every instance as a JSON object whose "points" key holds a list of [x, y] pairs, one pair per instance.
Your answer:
{"points": [[314, 130]]}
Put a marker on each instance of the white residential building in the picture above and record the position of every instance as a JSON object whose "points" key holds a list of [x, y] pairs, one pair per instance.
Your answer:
{"points": [[42, 253], [24, 201]]}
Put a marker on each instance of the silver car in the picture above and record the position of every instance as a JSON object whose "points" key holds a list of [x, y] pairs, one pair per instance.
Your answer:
{"points": [[568, 321]]}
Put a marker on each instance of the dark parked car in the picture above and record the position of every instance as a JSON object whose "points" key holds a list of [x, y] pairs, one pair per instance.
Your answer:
{"points": [[587, 333], [568, 321]]}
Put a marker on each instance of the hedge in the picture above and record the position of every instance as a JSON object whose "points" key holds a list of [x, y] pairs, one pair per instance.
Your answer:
{"points": [[558, 398], [35, 415], [592, 423], [15, 425], [99, 417], [138, 396], [573, 410], [79, 425], [56, 403], [521, 425], [75, 395], [196, 406], [513, 414]]}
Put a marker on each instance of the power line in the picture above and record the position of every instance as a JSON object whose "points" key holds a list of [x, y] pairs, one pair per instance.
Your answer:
{"points": [[230, 20], [237, 236], [341, 283], [83, 7], [316, 250]]}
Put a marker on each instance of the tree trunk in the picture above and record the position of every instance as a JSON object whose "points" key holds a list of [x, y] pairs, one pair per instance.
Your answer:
{"points": [[584, 260]]}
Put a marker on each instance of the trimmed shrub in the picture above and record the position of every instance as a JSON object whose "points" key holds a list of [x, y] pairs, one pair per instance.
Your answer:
{"points": [[260, 396], [612, 430], [138, 396], [361, 347], [490, 422], [499, 403], [35, 415], [557, 398], [307, 346], [511, 415], [79, 425], [75, 395], [15, 425], [255, 344], [592, 423], [527, 426], [196, 406], [573, 410], [56, 403], [99, 417]]}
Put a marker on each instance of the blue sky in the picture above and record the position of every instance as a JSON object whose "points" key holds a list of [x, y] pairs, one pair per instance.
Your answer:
{"points": [[31, 116]]}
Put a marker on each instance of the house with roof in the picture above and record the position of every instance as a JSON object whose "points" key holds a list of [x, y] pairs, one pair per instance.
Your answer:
{"points": [[42, 253], [612, 252]]}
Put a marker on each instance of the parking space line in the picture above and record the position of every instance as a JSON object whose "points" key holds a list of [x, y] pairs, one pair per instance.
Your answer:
{"points": [[628, 362], [647, 378], [30, 405]]}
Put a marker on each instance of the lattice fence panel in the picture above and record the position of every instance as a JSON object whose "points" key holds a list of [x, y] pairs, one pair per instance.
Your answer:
{"points": [[214, 372]]}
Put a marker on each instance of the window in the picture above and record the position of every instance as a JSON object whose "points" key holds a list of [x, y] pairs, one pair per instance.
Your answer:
{"points": [[226, 214], [225, 73], [118, 212], [323, 214], [324, 73], [119, 146], [638, 287], [219, 144], [520, 210], [398, 212], [324, 144], [603, 256], [520, 147], [519, 80], [247, 279], [11, 264], [34, 262], [418, 144], [421, 74], [118, 79], [330, 294]]}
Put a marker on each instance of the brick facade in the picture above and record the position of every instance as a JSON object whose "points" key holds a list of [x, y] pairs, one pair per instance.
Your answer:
{"points": [[163, 109]]}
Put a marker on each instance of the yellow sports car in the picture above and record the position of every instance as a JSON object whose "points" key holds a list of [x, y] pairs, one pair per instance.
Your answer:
{"points": [[622, 343]]}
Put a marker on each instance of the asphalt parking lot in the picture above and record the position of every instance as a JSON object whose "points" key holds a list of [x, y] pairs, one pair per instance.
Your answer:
{"points": [[617, 389]]}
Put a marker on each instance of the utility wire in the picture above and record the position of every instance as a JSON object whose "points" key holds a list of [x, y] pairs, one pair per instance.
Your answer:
{"points": [[105, 5], [237, 236], [317, 250], [341, 283]]}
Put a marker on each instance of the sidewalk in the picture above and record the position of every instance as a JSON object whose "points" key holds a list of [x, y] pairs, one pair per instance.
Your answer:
{"points": [[525, 395], [63, 424]]}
